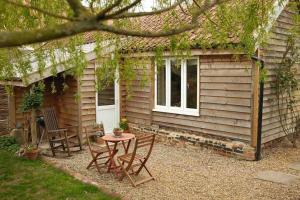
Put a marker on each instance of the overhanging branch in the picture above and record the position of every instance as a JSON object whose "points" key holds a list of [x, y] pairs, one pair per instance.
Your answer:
{"points": [[124, 9], [28, 6], [77, 7], [149, 34], [88, 23], [18, 38], [102, 13], [141, 14]]}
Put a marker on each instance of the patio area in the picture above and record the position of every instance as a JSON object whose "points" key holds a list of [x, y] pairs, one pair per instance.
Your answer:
{"points": [[195, 173]]}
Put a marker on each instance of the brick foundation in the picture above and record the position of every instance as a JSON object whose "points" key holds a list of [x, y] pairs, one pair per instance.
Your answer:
{"points": [[230, 148]]}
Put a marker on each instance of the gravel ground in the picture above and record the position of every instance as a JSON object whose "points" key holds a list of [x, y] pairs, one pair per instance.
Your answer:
{"points": [[189, 173]]}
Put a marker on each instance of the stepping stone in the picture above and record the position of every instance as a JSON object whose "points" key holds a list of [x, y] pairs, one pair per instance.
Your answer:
{"points": [[277, 177], [295, 166]]}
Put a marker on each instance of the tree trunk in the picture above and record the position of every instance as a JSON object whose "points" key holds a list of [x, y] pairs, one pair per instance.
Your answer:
{"points": [[33, 128]]}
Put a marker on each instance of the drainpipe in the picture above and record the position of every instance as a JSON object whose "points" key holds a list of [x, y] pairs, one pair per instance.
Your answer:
{"points": [[260, 110]]}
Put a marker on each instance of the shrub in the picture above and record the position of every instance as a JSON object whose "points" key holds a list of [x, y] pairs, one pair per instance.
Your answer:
{"points": [[8, 143]]}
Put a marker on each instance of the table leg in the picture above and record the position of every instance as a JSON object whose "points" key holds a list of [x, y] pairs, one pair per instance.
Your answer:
{"points": [[126, 148], [112, 153]]}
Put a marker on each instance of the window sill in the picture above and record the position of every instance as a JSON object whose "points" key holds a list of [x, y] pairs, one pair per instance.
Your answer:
{"points": [[179, 112]]}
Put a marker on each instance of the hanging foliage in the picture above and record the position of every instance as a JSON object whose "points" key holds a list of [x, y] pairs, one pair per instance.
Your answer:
{"points": [[33, 99], [57, 33]]}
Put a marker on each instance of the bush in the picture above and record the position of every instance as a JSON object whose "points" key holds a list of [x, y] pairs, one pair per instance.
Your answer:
{"points": [[8, 143]]}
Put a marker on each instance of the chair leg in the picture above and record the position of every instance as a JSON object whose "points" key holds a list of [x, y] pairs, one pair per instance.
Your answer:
{"points": [[122, 170], [141, 167], [63, 145], [125, 173], [148, 172], [79, 142], [52, 148], [68, 148], [97, 166], [91, 163]]}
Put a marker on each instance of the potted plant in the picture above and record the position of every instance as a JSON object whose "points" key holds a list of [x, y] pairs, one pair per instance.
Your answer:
{"points": [[124, 125], [118, 132], [31, 152]]}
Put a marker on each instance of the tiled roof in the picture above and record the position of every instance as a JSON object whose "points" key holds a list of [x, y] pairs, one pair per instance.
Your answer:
{"points": [[197, 37]]}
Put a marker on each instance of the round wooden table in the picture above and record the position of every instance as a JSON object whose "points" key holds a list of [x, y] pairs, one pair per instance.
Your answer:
{"points": [[110, 138]]}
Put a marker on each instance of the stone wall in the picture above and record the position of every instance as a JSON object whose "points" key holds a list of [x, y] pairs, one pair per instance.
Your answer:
{"points": [[226, 147]]}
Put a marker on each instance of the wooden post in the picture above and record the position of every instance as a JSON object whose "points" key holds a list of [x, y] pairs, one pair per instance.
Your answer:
{"points": [[254, 103], [80, 131], [152, 90], [12, 111]]}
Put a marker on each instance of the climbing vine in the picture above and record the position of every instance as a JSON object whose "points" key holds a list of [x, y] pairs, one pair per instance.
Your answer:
{"points": [[286, 86]]}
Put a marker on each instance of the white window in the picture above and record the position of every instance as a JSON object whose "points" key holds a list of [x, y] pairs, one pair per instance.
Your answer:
{"points": [[177, 86]]}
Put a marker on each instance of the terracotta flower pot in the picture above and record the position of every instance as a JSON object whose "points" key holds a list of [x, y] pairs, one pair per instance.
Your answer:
{"points": [[31, 155], [118, 132]]}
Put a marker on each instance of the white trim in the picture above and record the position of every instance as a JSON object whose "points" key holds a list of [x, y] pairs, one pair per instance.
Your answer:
{"points": [[183, 108], [116, 106]]}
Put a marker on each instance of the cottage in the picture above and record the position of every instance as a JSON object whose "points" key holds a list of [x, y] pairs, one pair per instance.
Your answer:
{"points": [[210, 98]]}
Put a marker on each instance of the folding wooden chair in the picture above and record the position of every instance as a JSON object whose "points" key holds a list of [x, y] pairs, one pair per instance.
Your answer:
{"points": [[130, 161], [98, 152], [58, 135]]}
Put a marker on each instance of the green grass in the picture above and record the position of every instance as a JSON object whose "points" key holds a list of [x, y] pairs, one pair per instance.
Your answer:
{"points": [[24, 179]]}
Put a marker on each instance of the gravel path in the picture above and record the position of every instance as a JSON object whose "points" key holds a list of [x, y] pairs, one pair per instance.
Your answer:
{"points": [[185, 173]]}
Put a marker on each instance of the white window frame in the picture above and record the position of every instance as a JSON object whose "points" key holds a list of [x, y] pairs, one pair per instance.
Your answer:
{"points": [[183, 109]]}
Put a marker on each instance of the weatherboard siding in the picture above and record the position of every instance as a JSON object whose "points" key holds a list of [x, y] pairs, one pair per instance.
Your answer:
{"points": [[272, 54], [225, 100], [87, 92], [64, 102], [4, 118]]}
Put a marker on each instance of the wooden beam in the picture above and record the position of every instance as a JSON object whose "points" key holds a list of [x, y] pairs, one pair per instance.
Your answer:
{"points": [[80, 128], [152, 90], [254, 103], [193, 53]]}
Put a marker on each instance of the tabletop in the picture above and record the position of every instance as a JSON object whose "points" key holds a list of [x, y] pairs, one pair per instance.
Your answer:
{"points": [[124, 137]]}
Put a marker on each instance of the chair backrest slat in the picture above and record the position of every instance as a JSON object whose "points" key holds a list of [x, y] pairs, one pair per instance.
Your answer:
{"points": [[50, 119]]}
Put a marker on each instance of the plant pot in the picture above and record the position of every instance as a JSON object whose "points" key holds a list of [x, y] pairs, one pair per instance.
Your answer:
{"points": [[31, 155], [118, 132]]}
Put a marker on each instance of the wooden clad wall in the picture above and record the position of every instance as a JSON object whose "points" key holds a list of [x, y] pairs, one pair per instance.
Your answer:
{"points": [[63, 101], [225, 100], [4, 116], [67, 105], [88, 98], [19, 92], [272, 53], [138, 104]]}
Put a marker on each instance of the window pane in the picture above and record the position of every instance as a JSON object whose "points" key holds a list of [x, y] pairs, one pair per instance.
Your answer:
{"points": [[161, 85], [107, 96], [191, 85], [175, 83]]}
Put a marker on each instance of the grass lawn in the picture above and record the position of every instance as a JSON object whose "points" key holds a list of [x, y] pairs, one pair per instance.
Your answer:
{"points": [[24, 179]]}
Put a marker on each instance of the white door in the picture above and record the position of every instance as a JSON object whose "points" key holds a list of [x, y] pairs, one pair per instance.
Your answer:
{"points": [[107, 104]]}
